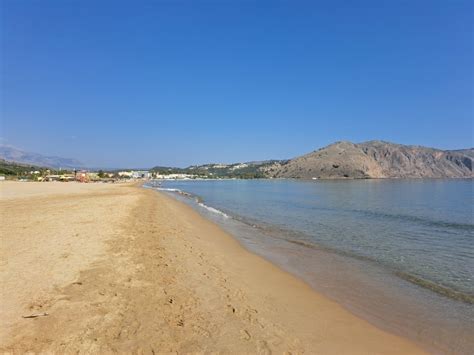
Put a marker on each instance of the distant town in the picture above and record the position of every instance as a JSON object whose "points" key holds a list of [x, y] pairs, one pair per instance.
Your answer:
{"points": [[24, 172], [94, 176]]}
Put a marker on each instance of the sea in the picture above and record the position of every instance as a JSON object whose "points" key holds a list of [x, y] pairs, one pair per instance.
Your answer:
{"points": [[398, 253]]}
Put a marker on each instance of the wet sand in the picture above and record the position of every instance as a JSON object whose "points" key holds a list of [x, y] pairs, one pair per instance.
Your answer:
{"points": [[118, 268]]}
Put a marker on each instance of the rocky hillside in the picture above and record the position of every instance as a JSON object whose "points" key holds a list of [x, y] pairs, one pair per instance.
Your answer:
{"points": [[13, 154], [376, 159], [12, 168], [247, 170]]}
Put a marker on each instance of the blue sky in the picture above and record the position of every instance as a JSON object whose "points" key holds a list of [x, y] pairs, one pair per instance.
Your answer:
{"points": [[144, 83]]}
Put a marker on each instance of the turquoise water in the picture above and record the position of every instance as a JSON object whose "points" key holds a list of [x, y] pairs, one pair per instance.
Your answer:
{"points": [[357, 241]]}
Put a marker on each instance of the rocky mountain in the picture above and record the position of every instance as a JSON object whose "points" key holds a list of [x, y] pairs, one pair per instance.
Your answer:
{"points": [[13, 154], [376, 159]]}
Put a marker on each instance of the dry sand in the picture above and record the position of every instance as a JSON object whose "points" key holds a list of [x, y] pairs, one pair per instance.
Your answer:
{"points": [[118, 268]]}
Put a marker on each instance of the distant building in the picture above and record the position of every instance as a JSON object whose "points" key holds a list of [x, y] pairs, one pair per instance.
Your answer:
{"points": [[67, 177], [141, 174], [125, 174], [175, 176], [82, 176], [239, 166], [86, 176]]}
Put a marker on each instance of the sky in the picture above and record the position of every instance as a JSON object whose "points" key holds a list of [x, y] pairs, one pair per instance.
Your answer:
{"points": [[175, 83]]}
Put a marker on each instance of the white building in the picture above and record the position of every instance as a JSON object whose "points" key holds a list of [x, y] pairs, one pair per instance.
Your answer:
{"points": [[239, 166], [175, 176], [141, 174], [126, 174]]}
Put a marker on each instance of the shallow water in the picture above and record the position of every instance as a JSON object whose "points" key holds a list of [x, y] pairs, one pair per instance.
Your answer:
{"points": [[400, 253]]}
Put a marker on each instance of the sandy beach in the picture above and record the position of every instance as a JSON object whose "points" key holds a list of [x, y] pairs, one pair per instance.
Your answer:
{"points": [[118, 268]]}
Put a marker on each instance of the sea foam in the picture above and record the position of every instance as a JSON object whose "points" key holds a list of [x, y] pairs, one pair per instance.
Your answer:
{"points": [[213, 210], [197, 199]]}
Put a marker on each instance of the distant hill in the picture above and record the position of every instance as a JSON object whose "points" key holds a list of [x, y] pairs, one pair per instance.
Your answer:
{"points": [[12, 168], [13, 154], [248, 170], [376, 159]]}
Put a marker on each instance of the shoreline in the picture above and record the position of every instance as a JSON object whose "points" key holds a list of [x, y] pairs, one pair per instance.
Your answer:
{"points": [[438, 288], [165, 278], [365, 288]]}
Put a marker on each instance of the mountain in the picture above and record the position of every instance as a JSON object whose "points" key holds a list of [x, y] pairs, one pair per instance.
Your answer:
{"points": [[13, 154], [376, 159]]}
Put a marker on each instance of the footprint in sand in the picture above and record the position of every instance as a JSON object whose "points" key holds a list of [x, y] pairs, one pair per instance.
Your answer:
{"points": [[245, 335]]}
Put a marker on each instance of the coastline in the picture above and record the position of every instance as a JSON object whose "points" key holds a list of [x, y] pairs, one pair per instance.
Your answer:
{"points": [[154, 275], [369, 288]]}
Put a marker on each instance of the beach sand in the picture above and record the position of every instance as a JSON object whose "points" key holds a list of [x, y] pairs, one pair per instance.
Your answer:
{"points": [[118, 268]]}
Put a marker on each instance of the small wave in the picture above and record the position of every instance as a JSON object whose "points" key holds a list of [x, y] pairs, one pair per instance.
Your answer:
{"points": [[421, 220], [181, 192], [213, 210], [328, 249], [442, 290], [430, 285], [198, 200], [168, 189], [394, 216]]}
